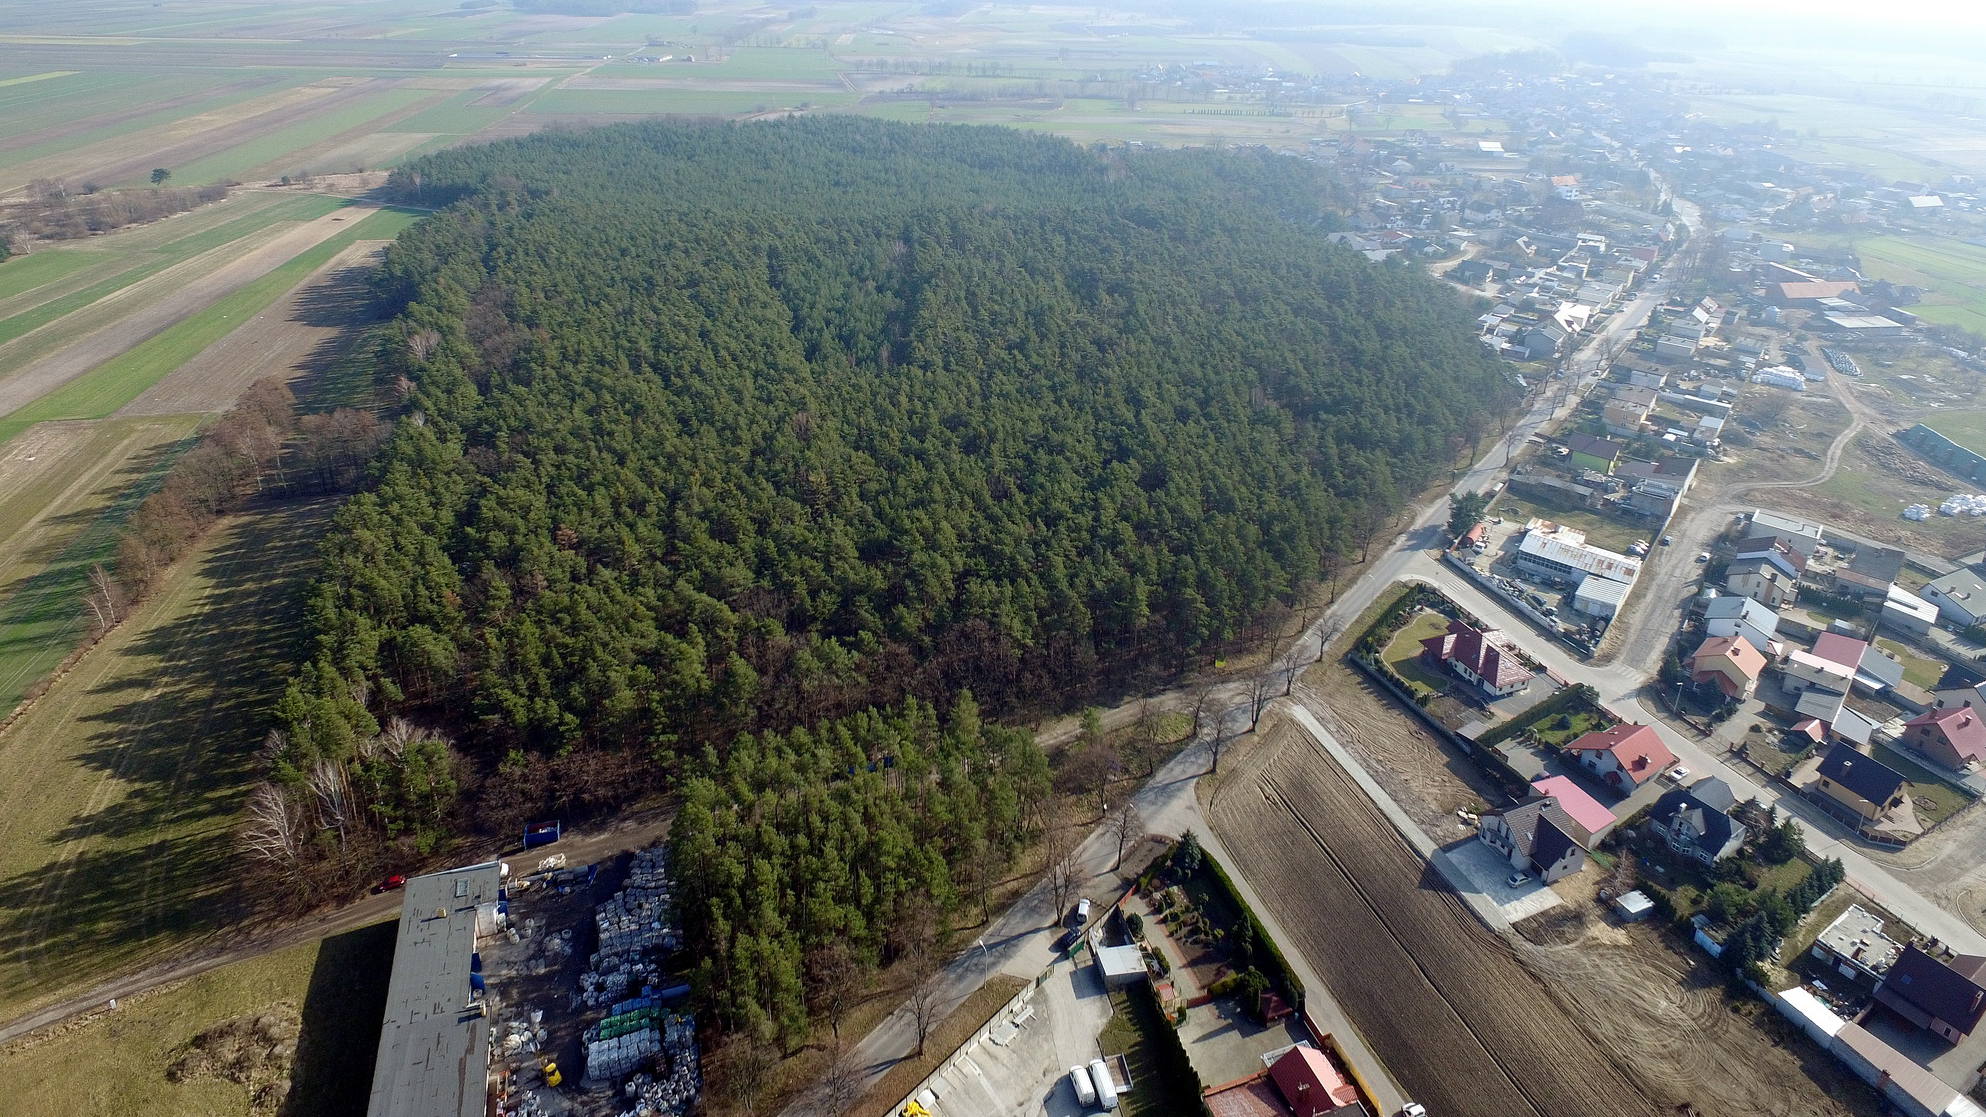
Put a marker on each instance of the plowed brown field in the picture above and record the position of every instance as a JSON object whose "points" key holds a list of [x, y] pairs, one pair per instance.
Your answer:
{"points": [[1470, 1022]]}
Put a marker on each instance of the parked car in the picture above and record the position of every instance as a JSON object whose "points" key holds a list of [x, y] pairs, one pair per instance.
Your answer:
{"points": [[392, 882], [1518, 880], [1702, 557], [1413, 1109], [1668, 539], [1676, 775]]}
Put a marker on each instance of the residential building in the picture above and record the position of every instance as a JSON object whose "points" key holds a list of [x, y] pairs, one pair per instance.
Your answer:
{"points": [[1559, 554], [1544, 342], [1775, 550], [1808, 295], [1872, 573], [1906, 612], [1696, 821], [1674, 475], [1761, 581], [1825, 715], [1857, 786], [1535, 836], [1801, 535], [1625, 757], [1592, 816], [1855, 946], [1960, 687], [1589, 452], [1943, 997], [1311, 1085], [1670, 347], [1483, 658], [1730, 662], [1954, 738], [1733, 615], [1960, 597]]}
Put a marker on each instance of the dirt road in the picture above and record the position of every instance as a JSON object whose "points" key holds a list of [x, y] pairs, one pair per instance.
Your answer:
{"points": [[191, 288], [1443, 1001]]}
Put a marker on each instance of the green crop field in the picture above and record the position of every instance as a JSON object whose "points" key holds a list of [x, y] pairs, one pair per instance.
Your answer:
{"points": [[333, 990], [1955, 273], [265, 152], [256, 214], [117, 382], [636, 102], [116, 850], [25, 273], [42, 613], [1967, 428], [133, 125]]}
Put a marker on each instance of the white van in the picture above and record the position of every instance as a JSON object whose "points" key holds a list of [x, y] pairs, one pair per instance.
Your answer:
{"points": [[1106, 1087], [1079, 1077]]}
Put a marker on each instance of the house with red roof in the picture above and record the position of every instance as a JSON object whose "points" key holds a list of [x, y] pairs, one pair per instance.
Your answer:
{"points": [[1591, 815], [1954, 737], [1478, 656], [1625, 756], [1300, 1082], [1731, 662]]}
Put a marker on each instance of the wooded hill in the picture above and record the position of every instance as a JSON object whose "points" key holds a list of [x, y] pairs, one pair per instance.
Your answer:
{"points": [[716, 429]]}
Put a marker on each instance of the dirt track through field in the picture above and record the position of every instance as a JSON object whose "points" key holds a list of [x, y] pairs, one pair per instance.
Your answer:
{"points": [[1443, 1001], [213, 276], [300, 334]]}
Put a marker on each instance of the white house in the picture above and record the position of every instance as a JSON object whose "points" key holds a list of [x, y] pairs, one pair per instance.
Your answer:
{"points": [[1960, 597]]}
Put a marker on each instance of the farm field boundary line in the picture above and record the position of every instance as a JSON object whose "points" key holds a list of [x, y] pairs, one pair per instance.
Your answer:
{"points": [[105, 387], [306, 207]]}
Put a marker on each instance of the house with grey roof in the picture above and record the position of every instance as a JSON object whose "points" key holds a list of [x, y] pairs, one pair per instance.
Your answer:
{"points": [[1535, 836], [1696, 821], [1732, 615], [1960, 597]]}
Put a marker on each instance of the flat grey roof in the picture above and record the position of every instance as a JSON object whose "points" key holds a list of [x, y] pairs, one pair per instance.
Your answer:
{"points": [[434, 1049]]}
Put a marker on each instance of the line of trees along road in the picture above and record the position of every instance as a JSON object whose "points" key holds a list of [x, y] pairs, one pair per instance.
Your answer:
{"points": [[717, 431]]}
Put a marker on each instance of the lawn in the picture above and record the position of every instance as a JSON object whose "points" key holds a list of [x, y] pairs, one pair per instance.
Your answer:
{"points": [[116, 1063], [1934, 799], [1918, 669], [1688, 885], [124, 378], [1139, 1032], [1403, 652], [1954, 272], [121, 848], [1601, 531], [1967, 428]]}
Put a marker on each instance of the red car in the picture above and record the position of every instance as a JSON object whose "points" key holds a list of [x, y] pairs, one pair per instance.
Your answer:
{"points": [[390, 883]]}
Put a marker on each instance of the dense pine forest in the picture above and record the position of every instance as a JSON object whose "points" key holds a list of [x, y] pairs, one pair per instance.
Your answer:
{"points": [[714, 432]]}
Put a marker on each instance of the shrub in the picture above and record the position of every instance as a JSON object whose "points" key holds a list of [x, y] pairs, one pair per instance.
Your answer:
{"points": [[1135, 923]]}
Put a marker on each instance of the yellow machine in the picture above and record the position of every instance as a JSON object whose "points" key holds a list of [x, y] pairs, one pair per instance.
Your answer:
{"points": [[552, 1075], [912, 1109]]}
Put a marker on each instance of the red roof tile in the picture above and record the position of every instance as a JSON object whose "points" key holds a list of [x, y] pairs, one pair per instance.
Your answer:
{"points": [[1309, 1083], [1480, 652], [1638, 749]]}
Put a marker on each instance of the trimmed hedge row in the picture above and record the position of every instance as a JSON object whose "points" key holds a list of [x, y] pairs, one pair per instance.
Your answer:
{"points": [[1268, 957]]}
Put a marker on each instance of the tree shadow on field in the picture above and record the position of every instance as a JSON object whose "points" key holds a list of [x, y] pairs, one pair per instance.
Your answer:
{"points": [[188, 705], [333, 373], [332, 1076]]}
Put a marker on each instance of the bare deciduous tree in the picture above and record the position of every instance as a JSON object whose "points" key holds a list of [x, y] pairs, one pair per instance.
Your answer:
{"points": [[106, 599], [1065, 871], [1333, 628], [332, 790], [275, 834], [1223, 737], [1203, 697], [1130, 826], [1261, 688], [841, 1085], [922, 1004], [834, 978]]}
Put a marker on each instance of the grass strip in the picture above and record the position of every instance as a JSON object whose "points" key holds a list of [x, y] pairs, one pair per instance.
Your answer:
{"points": [[123, 378], [185, 248]]}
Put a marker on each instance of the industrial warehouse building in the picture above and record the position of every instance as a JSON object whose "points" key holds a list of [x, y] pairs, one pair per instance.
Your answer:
{"points": [[434, 1043]]}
